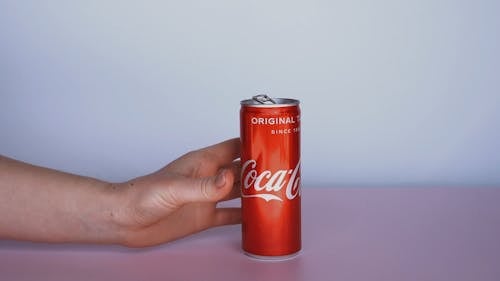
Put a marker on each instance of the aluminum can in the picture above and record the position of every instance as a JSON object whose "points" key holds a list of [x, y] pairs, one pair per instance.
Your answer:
{"points": [[270, 177]]}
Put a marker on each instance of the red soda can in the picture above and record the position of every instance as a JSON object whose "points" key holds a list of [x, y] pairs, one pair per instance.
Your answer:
{"points": [[270, 177]]}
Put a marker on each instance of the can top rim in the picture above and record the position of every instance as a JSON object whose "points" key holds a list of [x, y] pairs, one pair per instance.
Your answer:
{"points": [[279, 102]]}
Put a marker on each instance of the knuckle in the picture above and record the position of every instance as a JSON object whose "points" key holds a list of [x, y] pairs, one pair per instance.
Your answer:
{"points": [[206, 156], [200, 160], [205, 189]]}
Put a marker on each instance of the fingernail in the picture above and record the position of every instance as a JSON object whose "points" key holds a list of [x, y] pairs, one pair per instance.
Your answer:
{"points": [[220, 180]]}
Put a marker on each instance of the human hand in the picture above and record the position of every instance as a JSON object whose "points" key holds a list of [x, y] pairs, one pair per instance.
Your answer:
{"points": [[181, 198]]}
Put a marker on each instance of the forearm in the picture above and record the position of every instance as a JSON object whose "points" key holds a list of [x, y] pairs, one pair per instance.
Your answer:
{"points": [[40, 204]]}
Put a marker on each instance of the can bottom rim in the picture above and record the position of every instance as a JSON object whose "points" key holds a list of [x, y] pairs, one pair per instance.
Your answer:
{"points": [[273, 258]]}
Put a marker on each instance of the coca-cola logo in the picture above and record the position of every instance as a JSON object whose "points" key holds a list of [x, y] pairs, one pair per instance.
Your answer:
{"points": [[268, 184]]}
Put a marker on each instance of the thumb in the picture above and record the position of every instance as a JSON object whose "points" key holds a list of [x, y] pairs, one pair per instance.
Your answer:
{"points": [[210, 189]]}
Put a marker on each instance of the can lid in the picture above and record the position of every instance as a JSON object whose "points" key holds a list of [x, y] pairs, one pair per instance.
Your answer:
{"points": [[266, 101]]}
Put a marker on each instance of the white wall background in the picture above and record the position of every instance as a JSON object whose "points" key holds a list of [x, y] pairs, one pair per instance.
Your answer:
{"points": [[393, 92]]}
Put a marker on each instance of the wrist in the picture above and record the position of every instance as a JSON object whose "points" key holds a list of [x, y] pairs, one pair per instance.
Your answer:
{"points": [[117, 216], [102, 218]]}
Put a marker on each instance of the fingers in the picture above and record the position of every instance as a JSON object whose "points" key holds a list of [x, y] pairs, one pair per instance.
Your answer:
{"points": [[225, 151], [235, 169], [211, 189], [225, 216], [205, 161]]}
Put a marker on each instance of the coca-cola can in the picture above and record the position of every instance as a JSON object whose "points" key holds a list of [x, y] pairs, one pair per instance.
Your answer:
{"points": [[270, 177]]}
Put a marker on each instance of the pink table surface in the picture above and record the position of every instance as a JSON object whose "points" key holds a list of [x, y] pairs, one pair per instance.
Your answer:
{"points": [[348, 234]]}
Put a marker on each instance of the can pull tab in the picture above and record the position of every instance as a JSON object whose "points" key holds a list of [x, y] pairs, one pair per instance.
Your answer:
{"points": [[263, 99]]}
